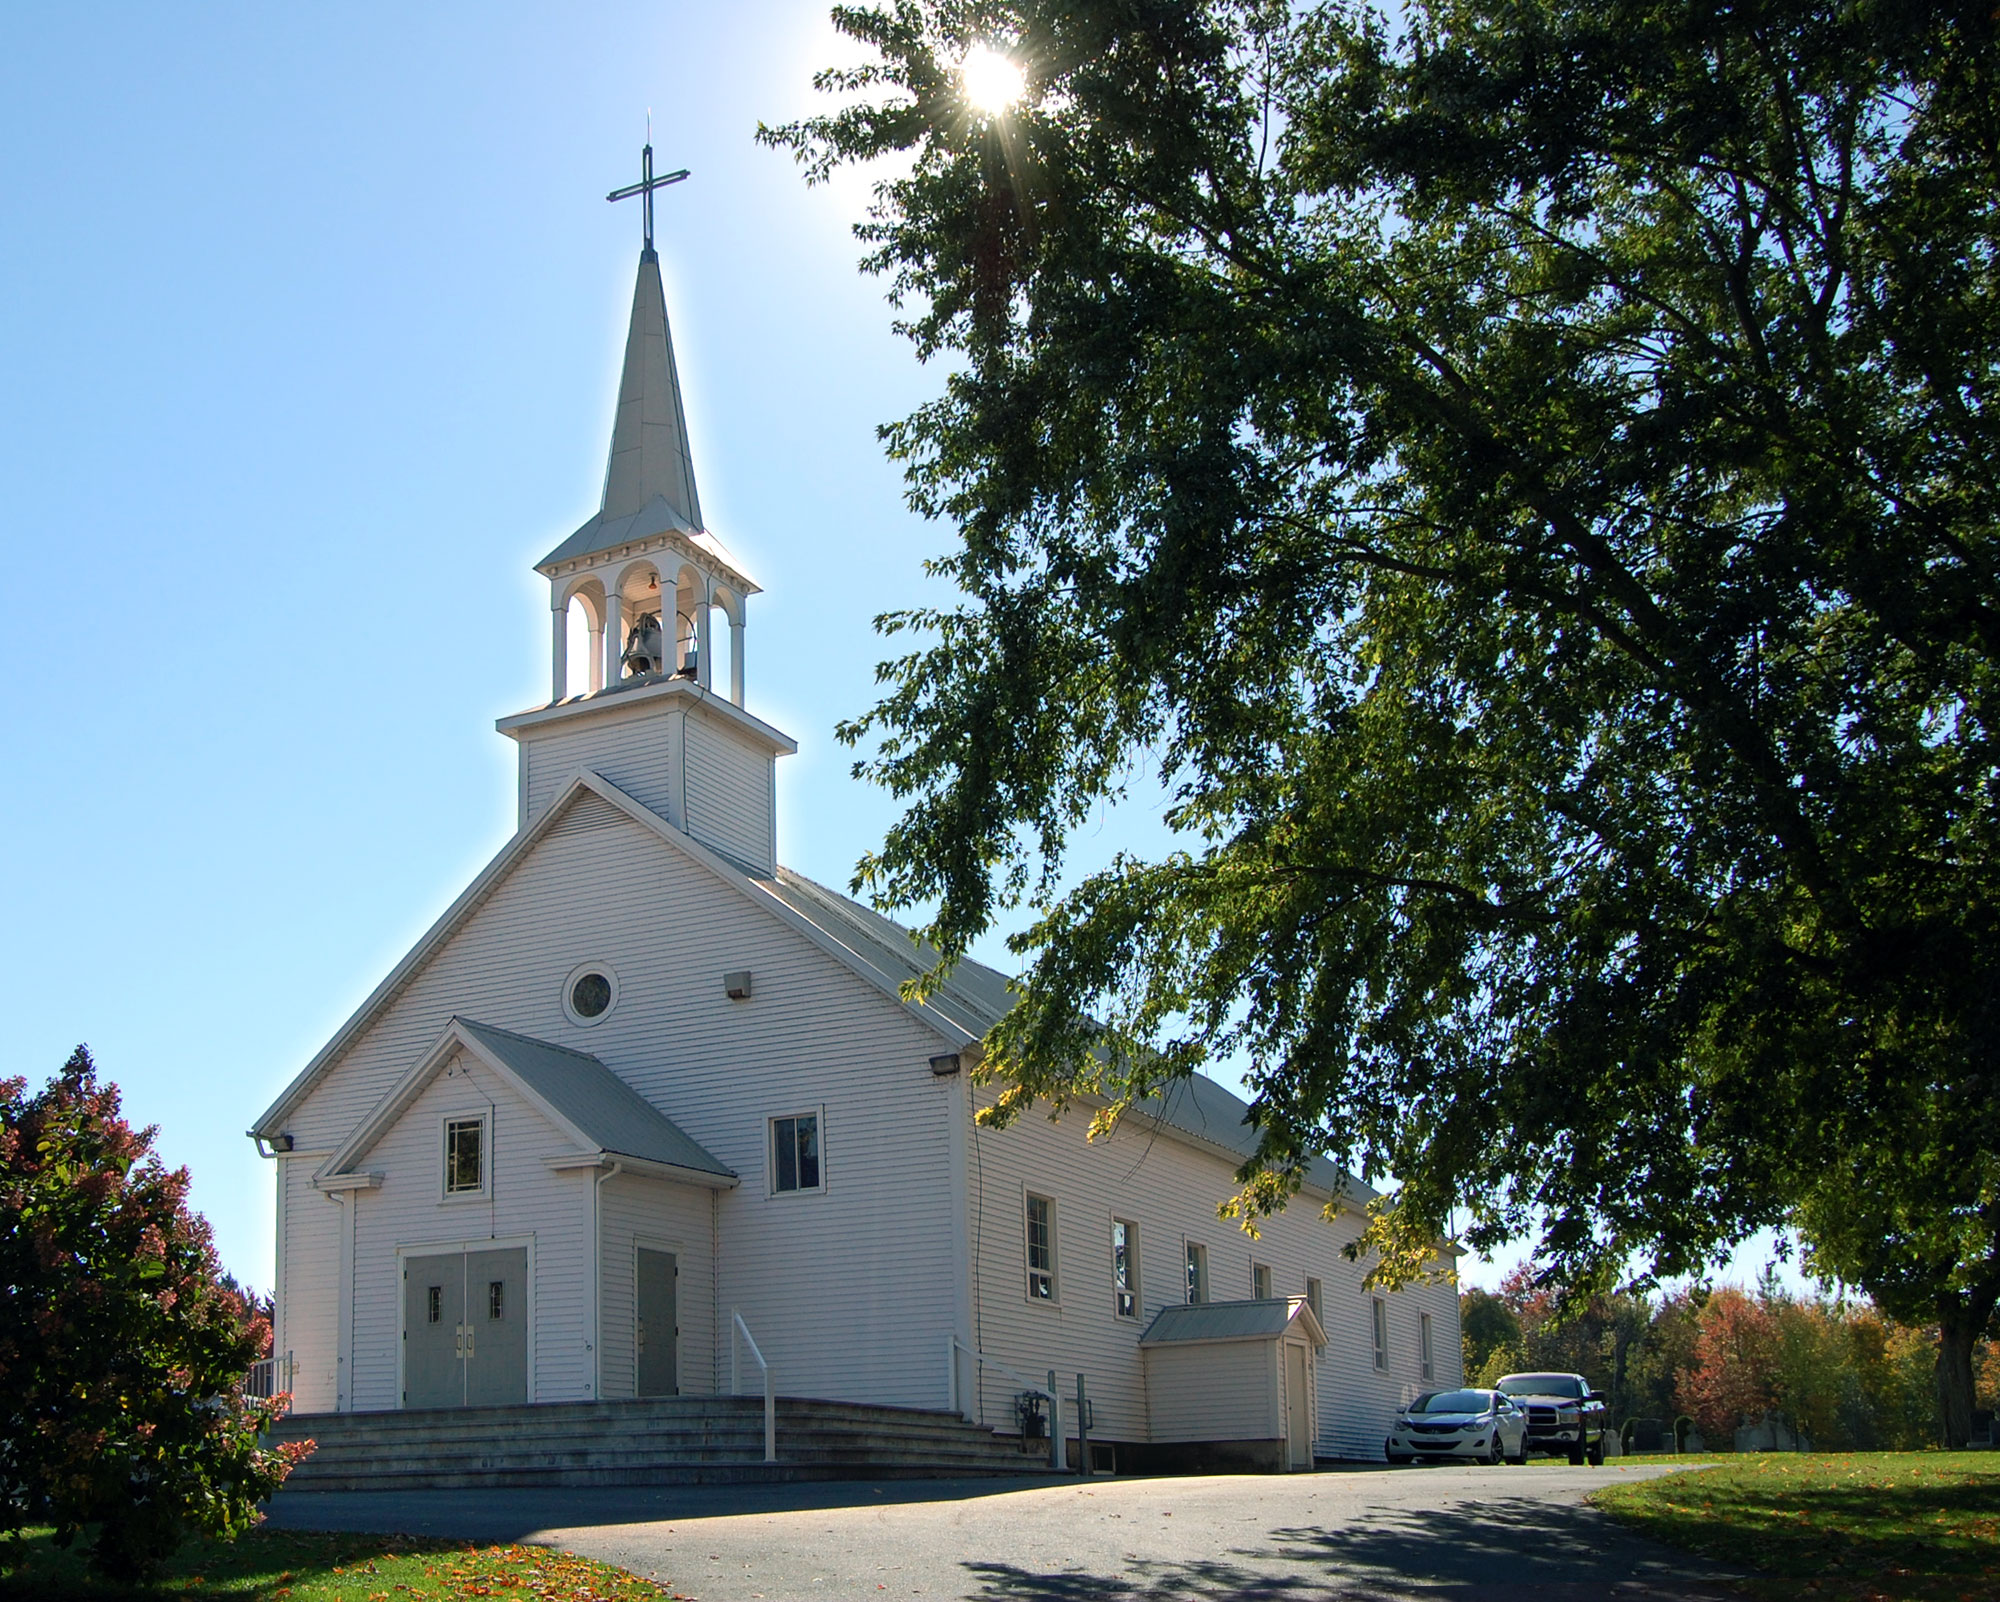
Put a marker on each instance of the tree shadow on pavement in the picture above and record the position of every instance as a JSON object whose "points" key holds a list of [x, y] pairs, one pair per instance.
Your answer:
{"points": [[1500, 1549]]}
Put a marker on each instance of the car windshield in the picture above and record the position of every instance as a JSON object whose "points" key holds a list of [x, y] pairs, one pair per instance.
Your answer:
{"points": [[1453, 1402], [1542, 1385]]}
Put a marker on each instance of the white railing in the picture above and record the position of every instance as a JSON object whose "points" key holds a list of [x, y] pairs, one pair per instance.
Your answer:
{"points": [[736, 1381], [953, 1346], [269, 1378]]}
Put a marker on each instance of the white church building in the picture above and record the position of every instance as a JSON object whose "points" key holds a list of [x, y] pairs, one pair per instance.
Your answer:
{"points": [[640, 1082]]}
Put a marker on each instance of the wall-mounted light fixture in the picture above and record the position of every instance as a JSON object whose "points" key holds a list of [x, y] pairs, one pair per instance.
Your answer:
{"points": [[737, 985], [947, 1065]]}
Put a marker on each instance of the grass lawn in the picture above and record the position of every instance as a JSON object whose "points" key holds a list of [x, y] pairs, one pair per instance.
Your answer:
{"points": [[1917, 1525], [300, 1566]]}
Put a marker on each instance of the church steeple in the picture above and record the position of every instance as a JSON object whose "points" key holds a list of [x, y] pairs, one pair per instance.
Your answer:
{"points": [[649, 441]]}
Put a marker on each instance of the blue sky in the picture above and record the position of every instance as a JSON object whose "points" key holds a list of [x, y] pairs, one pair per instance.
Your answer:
{"points": [[312, 319]]}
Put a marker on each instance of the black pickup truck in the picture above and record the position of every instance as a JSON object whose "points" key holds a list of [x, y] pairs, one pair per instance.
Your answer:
{"points": [[1564, 1414]]}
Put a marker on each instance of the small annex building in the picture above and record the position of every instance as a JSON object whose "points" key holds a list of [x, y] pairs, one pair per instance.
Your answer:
{"points": [[641, 1081]]}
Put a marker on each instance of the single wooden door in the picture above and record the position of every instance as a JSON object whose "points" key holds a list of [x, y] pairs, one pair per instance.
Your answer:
{"points": [[496, 1327], [1298, 1404], [434, 1331], [657, 1339]]}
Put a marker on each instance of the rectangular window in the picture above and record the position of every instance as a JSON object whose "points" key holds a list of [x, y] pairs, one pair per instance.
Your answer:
{"points": [[464, 1168], [1041, 1249], [1424, 1342], [1197, 1273], [1312, 1301], [1379, 1324], [1125, 1268], [1260, 1282], [795, 1153], [496, 1294], [433, 1304]]}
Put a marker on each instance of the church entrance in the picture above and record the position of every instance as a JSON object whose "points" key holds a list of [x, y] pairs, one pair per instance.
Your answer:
{"points": [[658, 1334], [465, 1329]]}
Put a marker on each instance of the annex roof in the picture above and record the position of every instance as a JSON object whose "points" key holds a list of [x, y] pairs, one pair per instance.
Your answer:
{"points": [[602, 1115], [1263, 1320]]}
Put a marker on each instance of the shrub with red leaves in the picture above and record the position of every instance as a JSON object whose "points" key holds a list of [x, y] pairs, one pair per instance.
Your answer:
{"points": [[122, 1347]]}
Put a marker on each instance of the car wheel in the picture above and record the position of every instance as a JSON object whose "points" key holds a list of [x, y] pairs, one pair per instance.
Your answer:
{"points": [[1596, 1453], [1496, 1454], [1520, 1457], [1576, 1455]]}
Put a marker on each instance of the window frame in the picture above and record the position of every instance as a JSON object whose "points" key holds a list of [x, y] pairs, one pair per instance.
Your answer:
{"points": [[1426, 1366], [569, 984], [483, 1118], [1316, 1298], [1378, 1331], [1126, 1289], [1261, 1281], [1199, 1288], [1052, 1273], [773, 1190]]}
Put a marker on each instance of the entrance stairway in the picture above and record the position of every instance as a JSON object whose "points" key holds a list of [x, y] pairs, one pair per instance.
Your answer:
{"points": [[679, 1440]]}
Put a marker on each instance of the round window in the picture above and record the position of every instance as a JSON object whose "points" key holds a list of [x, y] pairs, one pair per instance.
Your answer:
{"points": [[589, 993]]}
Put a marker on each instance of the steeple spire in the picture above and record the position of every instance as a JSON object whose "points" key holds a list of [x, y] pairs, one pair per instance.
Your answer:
{"points": [[649, 443], [649, 440]]}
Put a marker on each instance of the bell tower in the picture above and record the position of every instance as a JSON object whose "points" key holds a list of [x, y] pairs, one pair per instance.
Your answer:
{"points": [[662, 600]]}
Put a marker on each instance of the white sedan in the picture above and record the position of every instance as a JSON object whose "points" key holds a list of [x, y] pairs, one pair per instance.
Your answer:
{"points": [[1487, 1426]]}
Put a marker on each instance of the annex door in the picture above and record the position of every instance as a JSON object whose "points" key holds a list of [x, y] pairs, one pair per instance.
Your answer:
{"points": [[465, 1329], [1298, 1405], [657, 1339]]}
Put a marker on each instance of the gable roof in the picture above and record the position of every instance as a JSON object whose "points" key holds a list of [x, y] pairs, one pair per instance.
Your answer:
{"points": [[586, 782], [602, 1115], [1262, 1320]]}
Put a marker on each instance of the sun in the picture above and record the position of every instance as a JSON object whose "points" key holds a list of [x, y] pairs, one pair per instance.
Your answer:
{"points": [[993, 82]]}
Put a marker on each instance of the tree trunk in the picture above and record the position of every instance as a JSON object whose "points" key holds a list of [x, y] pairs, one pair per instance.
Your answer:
{"points": [[1961, 1321]]}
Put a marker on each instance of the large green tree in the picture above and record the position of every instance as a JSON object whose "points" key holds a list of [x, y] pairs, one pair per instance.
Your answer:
{"points": [[1523, 477]]}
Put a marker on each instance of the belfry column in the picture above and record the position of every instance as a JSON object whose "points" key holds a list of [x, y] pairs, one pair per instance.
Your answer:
{"points": [[614, 637], [736, 658], [559, 653], [704, 632]]}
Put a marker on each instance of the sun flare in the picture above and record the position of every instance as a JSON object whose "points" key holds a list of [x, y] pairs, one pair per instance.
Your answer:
{"points": [[993, 82]]}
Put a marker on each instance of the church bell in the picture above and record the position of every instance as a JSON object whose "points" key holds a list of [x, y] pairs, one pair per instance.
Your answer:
{"points": [[644, 647]]}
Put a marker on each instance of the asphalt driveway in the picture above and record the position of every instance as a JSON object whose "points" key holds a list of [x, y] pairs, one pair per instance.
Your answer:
{"points": [[1433, 1533]]}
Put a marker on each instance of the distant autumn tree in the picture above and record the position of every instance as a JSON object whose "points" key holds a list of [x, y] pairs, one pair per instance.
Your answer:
{"points": [[122, 1350], [1735, 1372]]}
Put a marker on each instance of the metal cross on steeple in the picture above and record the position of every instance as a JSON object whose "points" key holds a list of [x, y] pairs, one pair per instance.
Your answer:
{"points": [[645, 186]]}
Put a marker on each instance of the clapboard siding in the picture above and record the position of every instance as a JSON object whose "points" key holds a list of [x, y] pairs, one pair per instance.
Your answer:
{"points": [[524, 1199], [640, 753], [1225, 1391], [846, 1291], [676, 1218], [730, 802], [1170, 1190], [309, 1295]]}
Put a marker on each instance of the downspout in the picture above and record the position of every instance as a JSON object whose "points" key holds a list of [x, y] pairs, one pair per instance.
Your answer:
{"points": [[597, 1279]]}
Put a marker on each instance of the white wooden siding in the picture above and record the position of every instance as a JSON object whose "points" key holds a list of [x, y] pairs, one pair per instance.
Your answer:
{"points": [[640, 753], [731, 794], [523, 1198], [848, 1292], [677, 1218], [1214, 1391], [309, 1296], [1170, 1191]]}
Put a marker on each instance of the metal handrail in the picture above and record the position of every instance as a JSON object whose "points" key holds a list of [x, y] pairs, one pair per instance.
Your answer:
{"points": [[736, 1382], [268, 1378], [953, 1346]]}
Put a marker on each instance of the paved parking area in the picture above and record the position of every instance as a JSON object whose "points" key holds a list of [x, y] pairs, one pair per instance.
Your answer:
{"points": [[1360, 1535]]}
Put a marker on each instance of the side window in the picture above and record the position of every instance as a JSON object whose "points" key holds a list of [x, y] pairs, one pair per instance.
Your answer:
{"points": [[1124, 1268], [1260, 1282], [1041, 1221], [1312, 1301], [1197, 1273], [1379, 1324], [795, 1154], [1424, 1343], [464, 1156]]}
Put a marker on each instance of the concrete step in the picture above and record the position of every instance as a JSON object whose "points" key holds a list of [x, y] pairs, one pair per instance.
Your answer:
{"points": [[664, 1440]]}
